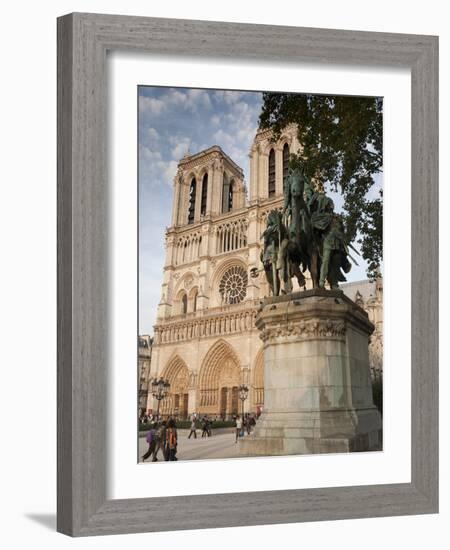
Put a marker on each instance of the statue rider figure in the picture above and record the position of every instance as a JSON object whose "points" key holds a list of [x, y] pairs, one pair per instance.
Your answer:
{"points": [[328, 228], [334, 254], [292, 252]]}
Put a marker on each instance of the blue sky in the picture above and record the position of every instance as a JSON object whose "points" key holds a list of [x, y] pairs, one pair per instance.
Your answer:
{"points": [[173, 122]]}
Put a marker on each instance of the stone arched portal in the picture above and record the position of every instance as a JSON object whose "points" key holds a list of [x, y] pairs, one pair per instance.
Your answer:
{"points": [[219, 380], [177, 402]]}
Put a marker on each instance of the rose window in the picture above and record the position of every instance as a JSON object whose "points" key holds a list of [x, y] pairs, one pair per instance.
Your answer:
{"points": [[233, 285]]}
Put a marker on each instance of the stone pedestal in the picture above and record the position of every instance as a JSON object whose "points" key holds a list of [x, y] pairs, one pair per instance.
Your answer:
{"points": [[317, 388]]}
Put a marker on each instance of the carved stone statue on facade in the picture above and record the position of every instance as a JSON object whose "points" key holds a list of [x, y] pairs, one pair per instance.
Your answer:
{"points": [[307, 235]]}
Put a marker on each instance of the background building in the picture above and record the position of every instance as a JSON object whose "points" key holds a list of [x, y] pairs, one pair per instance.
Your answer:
{"points": [[145, 355], [369, 295], [205, 340]]}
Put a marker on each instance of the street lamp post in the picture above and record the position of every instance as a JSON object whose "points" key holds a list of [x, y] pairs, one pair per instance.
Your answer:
{"points": [[243, 394], [160, 390]]}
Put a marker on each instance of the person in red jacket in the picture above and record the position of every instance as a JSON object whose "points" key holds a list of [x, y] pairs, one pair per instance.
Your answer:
{"points": [[172, 439]]}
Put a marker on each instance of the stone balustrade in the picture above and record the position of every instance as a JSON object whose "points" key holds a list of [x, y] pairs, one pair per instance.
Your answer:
{"points": [[205, 326]]}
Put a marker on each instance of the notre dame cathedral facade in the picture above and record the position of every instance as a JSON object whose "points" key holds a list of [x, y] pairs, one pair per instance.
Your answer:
{"points": [[205, 341]]}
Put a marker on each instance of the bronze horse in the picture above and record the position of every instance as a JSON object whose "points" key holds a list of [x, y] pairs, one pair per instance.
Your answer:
{"points": [[302, 248]]}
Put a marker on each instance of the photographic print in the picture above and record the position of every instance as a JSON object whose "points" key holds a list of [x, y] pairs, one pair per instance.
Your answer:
{"points": [[260, 274]]}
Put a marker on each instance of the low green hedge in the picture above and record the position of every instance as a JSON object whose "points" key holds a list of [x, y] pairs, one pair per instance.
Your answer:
{"points": [[186, 424], [223, 424]]}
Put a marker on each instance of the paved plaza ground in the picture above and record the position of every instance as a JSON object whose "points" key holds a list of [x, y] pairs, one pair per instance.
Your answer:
{"points": [[219, 445]]}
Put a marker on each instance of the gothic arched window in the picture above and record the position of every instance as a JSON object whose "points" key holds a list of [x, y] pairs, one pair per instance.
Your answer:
{"points": [[285, 160], [192, 192], [230, 196], [194, 301], [272, 173], [204, 195], [225, 194], [184, 304]]}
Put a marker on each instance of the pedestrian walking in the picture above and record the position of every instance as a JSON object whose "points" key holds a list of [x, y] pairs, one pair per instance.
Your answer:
{"points": [[161, 442], [172, 440], [151, 440], [238, 427], [248, 424], [193, 429], [205, 426]]}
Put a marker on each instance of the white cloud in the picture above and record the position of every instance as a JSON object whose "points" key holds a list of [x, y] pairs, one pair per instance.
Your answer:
{"points": [[182, 146], [190, 100], [247, 134], [215, 120], [173, 139], [174, 97], [147, 154], [153, 170], [228, 96], [241, 116], [198, 98], [169, 171], [152, 134], [223, 137], [151, 105]]}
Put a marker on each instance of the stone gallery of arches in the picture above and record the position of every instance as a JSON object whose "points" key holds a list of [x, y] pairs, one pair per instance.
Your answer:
{"points": [[205, 341]]}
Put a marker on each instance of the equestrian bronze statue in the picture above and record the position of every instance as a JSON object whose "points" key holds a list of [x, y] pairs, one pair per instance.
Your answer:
{"points": [[307, 235]]}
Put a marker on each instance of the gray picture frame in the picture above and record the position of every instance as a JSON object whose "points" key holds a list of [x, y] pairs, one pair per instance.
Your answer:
{"points": [[83, 240]]}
